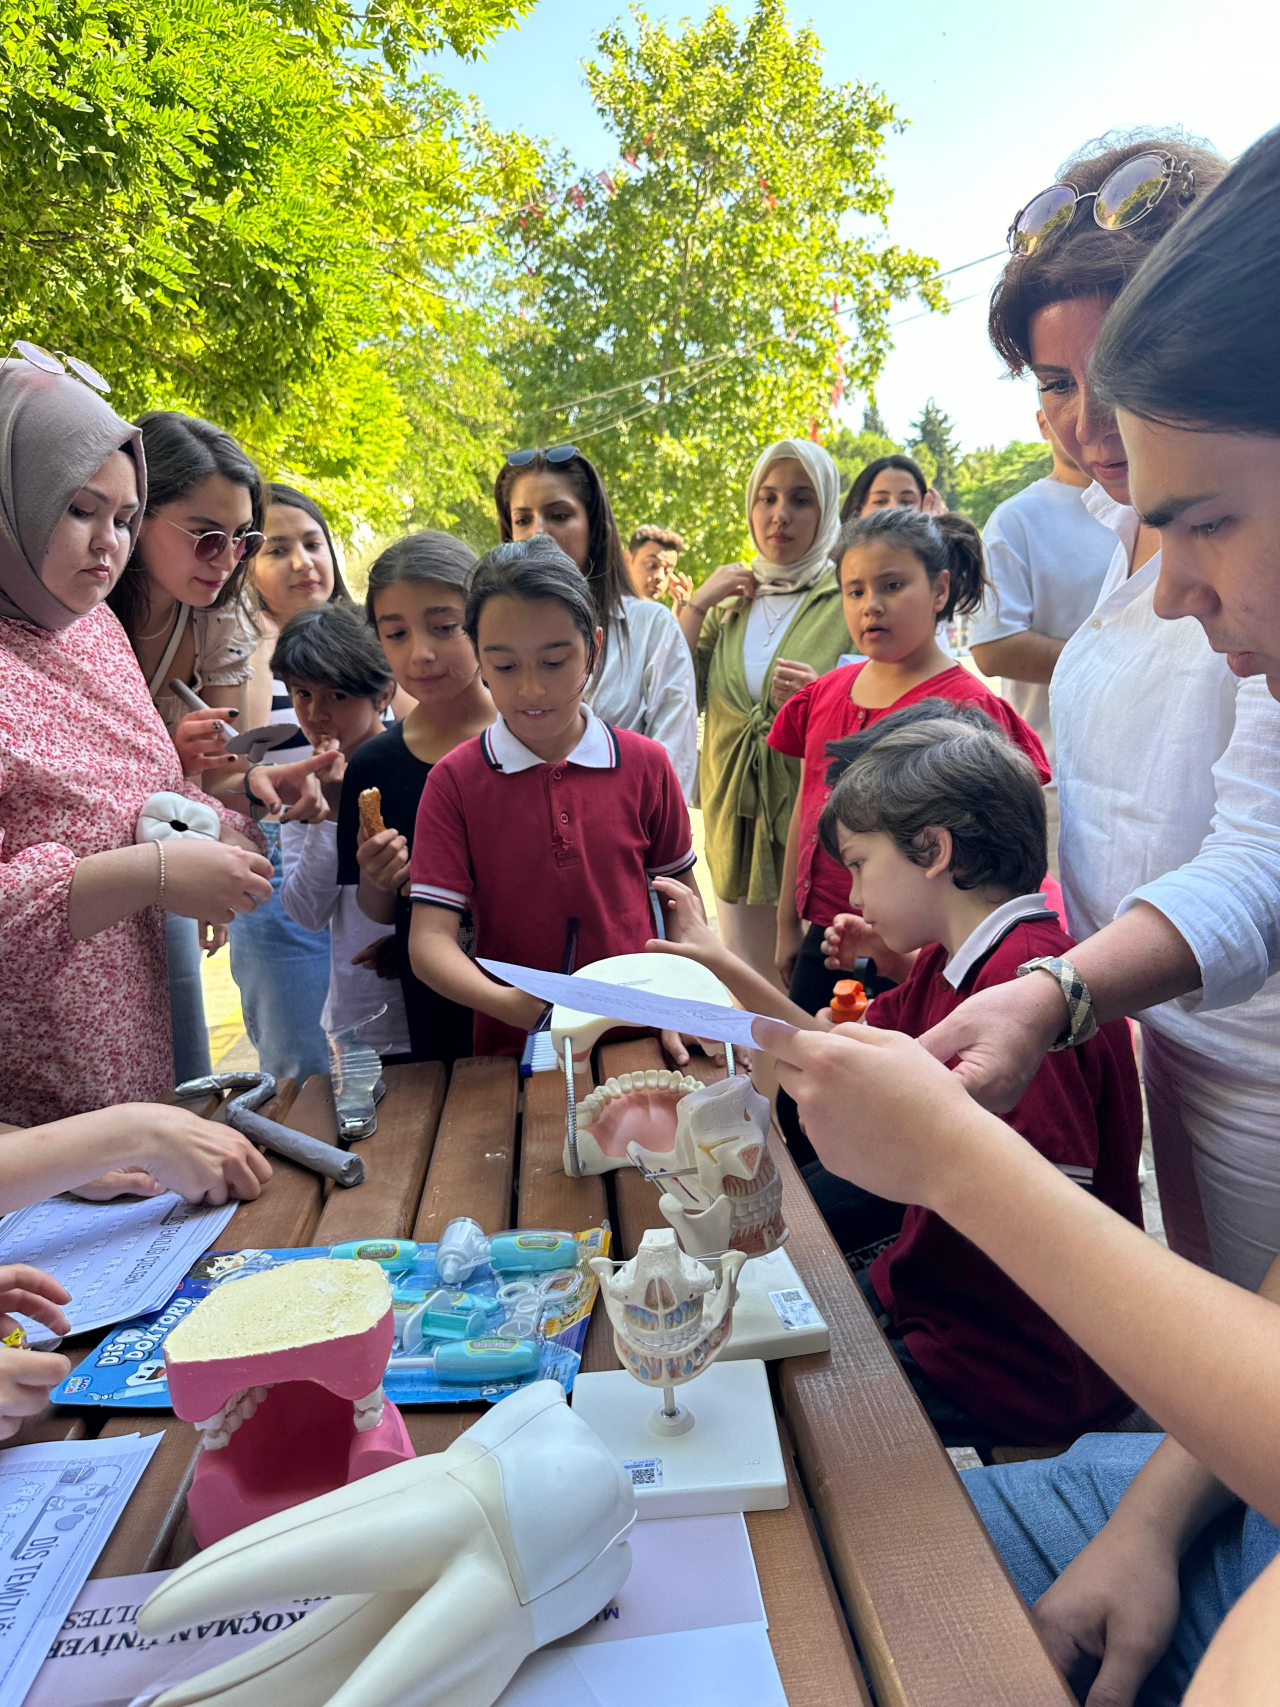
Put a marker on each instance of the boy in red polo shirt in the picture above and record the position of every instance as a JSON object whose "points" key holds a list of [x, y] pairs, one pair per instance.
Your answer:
{"points": [[940, 821], [549, 816]]}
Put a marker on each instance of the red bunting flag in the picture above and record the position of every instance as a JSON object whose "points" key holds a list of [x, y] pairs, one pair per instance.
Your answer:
{"points": [[607, 181], [577, 198]]}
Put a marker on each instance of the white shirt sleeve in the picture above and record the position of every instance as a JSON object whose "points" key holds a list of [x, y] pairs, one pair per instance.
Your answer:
{"points": [[309, 892], [1008, 604], [671, 698], [1226, 901]]}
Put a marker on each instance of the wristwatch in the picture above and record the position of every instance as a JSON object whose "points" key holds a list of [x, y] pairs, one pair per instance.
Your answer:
{"points": [[1082, 1022]]}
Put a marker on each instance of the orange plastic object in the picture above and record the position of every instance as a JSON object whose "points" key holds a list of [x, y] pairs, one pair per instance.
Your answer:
{"points": [[849, 1002]]}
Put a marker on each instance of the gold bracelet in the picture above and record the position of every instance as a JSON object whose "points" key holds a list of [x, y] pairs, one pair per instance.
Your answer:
{"points": [[160, 891]]}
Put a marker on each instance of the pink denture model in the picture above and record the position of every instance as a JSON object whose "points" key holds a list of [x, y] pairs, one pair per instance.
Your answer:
{"points": [[282, 1373]]}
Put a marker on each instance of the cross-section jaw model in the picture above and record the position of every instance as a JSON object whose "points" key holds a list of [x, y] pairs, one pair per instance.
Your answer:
{"points": [[669, 1316]]}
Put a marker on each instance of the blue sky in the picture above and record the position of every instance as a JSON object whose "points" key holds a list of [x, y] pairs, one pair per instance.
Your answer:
{"points": [[998, 92]]}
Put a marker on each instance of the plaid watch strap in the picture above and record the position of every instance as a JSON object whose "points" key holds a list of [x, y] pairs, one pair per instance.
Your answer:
{"points": [[1082, 1023]]}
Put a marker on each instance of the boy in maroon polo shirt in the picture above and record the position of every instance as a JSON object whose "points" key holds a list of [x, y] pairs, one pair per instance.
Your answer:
{"points": [[940, 822], [549, 816]]}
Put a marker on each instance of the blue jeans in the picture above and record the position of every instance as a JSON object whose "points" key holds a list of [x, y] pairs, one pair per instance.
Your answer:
{"points": [[283, 975], [1042, 1513], [186, 999]]}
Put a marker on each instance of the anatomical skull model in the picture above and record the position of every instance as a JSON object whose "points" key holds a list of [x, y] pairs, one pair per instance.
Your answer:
{"points": [[669, 1317], [725, 1193], [282, 1373], [445, 1572]]}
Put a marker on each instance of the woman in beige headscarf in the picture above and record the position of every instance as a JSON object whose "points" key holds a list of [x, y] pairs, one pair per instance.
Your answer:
{"points": [[758, 633]]}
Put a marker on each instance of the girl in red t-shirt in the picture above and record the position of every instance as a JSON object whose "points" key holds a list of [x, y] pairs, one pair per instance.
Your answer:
{"points": [[901, 573]]}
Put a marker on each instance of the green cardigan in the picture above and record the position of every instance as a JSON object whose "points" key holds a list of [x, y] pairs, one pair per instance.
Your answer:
{"points": [[747, 789]]}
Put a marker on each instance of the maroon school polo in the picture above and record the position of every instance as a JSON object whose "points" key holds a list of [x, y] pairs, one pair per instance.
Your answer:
{"points": [[822, 712], [970, 1328], [529, 846]]}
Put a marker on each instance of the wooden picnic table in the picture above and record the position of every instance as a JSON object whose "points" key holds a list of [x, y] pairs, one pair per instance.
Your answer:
{"points": [[934, 1614]]}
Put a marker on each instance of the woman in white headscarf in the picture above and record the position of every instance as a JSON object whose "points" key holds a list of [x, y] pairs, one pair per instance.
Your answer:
{"points": [[759, 633]]}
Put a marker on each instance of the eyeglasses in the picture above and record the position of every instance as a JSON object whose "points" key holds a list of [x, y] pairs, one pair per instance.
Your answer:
{"points": [[246, 543], [48, 362], [1123, 198], [557, 453]]}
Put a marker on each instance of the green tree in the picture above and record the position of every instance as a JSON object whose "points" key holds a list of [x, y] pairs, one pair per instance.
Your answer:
{"points": [[255, 210], [851, 452], [986, 477], [934, 433], [873, 420], [681, 305]]}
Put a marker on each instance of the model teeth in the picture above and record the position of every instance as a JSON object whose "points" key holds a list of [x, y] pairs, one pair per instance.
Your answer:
{"points": [[368, 1411], [651, 1079], [217, 1430]]}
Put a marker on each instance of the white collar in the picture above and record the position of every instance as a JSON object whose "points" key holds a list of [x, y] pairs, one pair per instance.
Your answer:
{"points": [[597, 750], [1122, 519], [995, 926]]}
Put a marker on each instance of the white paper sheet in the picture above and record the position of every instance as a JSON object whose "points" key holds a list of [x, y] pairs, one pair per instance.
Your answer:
{"points": [[115, 1259], [59, 1501], [631, 1006]]}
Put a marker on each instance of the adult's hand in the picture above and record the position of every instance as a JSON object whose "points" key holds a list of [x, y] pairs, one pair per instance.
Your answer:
{"points": [[932, 503], [1117, 1602], [729, 581], [675, 585], [201, 744], [788, 678], [1001, 1035], [213, 881]]}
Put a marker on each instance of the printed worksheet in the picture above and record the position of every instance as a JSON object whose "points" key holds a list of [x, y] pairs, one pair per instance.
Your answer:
{"points": [[115, 1259], [59, 1501]]}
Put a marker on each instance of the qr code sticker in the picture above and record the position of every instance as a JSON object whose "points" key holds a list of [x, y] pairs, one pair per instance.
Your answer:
{"points": [[795, 1308], [644, 1472]]}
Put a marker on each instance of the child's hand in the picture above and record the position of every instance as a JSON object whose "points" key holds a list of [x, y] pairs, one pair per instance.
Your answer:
{"points": [[514, 1007], [787, 950], [26, 1380], [384, 859], [211, 936], [119, 1182], [33, 1293], [788, 678], [685, 918], [201, 745], [849, 938], [379, 958]]}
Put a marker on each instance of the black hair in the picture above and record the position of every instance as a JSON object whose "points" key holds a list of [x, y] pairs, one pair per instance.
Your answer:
{"points": [[332, 646], [1195, 339], [1082, 259], [948, 541], [424, 556], [940, 765], [533, 569], [180, 452], [856, 496], [605, 569], [291, 499], [650, 534]]}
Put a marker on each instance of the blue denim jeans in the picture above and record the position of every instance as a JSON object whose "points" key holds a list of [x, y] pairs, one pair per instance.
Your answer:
{"points": [[186, 999], [283, 975], [1042, 1513]]}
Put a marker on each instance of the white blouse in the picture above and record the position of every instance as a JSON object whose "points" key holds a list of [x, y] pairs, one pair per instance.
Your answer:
{"points": [[647, 684]]}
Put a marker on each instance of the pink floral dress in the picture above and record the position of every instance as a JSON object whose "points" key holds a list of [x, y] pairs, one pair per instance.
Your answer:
{"points": [[83, 1025]]}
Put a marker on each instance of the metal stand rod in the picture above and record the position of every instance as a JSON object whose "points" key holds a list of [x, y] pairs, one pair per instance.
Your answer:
{"points": [[669, 1406]]}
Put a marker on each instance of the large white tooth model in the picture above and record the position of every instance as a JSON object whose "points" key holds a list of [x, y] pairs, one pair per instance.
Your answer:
{"points": [[446, 1571], [725, 1192]]}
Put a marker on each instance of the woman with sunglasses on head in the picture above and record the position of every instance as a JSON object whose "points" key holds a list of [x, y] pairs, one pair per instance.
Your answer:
{"points": [[643, 680], [182, 605]]}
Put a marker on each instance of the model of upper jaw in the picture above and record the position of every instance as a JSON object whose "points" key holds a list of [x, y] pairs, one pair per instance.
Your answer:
{"points": [[446, 1571], [670, 1318], [729, 1195], [633, 1108], [282, 1373]]}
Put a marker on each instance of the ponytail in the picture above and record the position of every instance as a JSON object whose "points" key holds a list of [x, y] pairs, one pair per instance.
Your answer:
{"points": [[948, 541]]}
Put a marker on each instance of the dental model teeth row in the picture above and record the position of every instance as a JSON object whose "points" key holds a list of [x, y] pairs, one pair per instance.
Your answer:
{"points": [[217, 1430], [652, 1079], [368, 1411]]}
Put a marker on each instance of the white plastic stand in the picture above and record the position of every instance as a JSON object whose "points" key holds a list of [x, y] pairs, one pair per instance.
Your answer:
{"points": [[774, 1315], [728, 1459]]}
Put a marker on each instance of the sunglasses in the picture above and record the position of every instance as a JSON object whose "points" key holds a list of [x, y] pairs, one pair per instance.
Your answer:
{"points": [[48, 362], [246, 543], [1123, 198], [557, 453]]}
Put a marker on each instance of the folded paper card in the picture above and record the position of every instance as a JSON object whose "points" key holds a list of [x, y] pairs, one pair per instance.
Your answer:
{"points": [[632, 1004]]}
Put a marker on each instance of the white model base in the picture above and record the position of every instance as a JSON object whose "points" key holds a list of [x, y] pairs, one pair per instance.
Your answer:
{"points": [[774, 1315], [730, 1459]]}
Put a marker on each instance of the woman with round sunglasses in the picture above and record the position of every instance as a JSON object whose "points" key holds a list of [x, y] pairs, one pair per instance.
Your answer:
{"points": [[643, 679], [181, 600]]}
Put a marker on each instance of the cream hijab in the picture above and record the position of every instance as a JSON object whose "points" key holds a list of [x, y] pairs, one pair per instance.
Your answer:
{"points": [[806, 571], [55, 432]]}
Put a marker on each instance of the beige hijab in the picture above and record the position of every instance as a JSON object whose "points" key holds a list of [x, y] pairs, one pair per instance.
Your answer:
{"points": [[55, 432], [799, 576]]}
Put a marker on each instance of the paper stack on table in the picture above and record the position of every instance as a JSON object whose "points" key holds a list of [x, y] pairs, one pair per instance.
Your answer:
{"points": [[115, 1259], [59, 1501]]}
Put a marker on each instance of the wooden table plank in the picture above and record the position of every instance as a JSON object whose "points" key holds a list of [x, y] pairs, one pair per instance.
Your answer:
{"points": [[395, 1159], [141, 1539], [548, 1197], [286, 1213], [935, 1615], [473, 1165]]}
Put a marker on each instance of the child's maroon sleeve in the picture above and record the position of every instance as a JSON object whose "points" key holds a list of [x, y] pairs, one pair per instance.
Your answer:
{"points": [[440, 869], [1021, 733], [791, 723], [670, 833]]}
